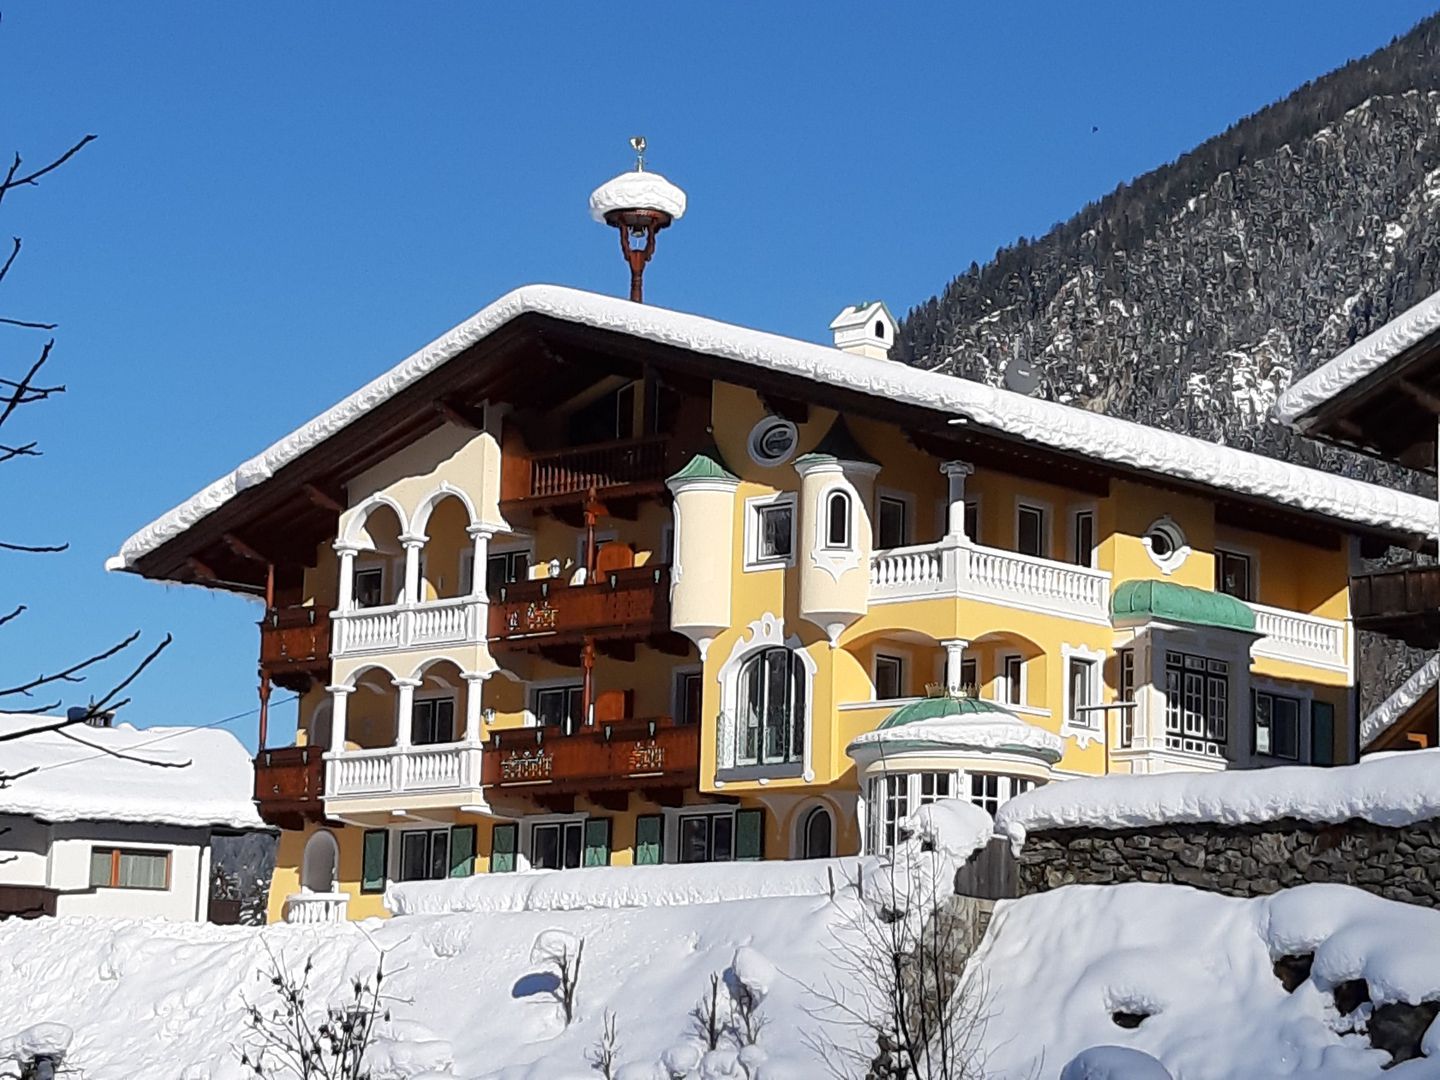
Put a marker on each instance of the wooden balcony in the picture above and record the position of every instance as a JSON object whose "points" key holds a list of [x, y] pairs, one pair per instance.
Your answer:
{"points": [[1402, 603], [289, 784], [631, 604], [617, 470], [295, 645], [653, 755]]}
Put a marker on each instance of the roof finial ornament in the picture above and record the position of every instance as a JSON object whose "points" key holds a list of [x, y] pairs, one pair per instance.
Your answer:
{"points": [[639, 204]]}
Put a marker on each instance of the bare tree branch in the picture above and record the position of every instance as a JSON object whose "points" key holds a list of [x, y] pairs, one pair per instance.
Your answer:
{"points": [[13, 181], [19, 610], [70, 673], [23, 386], [10, 260], [28, 450], [28, 325], [35, 549]]}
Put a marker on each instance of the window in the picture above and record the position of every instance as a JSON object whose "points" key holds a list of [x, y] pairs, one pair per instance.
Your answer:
{"points": [[1081, 682], [1232, 575], [504, 568], [424, 854], [837, 520], [880, 329], [889, 677], [990, 791], [558, 845], [1197, 696], [369, 587], [1166, 544], [972, 521], [1125, 660], [1277, 725], [559, 707], [688, 689], [504, 840], [1322, 733], [772, 441], [892, 523], [969, 675], [433, 721], [1084, 538], [706, 838], [817, 835], [116, 868], [892, 798], [649, 839], [374, 857], [774, 532], [889, 804], [1014, 675], [1030, 538], [772, 708]]}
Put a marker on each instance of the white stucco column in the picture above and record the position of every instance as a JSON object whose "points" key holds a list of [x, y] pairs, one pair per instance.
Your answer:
{"points": [[956, 472], [339, 697], [954, 657], [473, 685], [479, 536], [413, 546], [404, 710], [347, 553]]}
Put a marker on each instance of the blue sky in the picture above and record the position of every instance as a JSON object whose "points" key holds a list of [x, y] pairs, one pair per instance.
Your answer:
{"points": [[285, 199]]}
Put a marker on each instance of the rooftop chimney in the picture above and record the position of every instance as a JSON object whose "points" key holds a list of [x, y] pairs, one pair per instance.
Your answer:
{"points": [[866, 329], [639, 204]]}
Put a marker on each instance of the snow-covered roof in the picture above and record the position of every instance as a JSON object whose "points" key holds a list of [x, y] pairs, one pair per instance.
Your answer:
{"points": [[1045, 423], [1360, 360], [637, 190], [1393, 790], [74, 781], [958, 723], [1384, 716]]}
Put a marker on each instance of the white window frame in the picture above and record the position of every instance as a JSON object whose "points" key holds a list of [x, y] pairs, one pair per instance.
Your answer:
{"points": [[826, 542], [764, 632], [754, 505], [533, 687], [375, 564], [456, 715], [1297, 692], [397, 852], [1003, 683], [907, 504], [672, 828], [1086, 727], [902, 661], [1072, 533], [525, 841], [1047, 525], [1244, 552]]}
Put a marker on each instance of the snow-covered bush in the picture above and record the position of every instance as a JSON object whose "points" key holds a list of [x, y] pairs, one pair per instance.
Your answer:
{"points": [[1115, 1063], [561, 951], [36, 1053]]}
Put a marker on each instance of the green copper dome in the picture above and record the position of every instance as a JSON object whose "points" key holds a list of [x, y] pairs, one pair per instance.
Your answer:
{"points": [[1136, 601], [938, 708], [706, 465]]}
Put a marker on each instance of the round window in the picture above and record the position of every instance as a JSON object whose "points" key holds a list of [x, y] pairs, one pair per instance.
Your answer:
{"points": [[1166, 544], [773, 441]]}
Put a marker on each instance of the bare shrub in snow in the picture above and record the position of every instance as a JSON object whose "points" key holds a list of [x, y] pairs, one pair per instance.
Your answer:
{"points": [[705, 1019], [293, 1038], [750, 978], [606, 1050], [37, 1053], [560, 951]]}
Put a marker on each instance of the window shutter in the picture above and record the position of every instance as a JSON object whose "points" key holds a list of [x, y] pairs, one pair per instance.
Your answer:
{"points": [[597, 842], [374, 856], [1322, 733], [462, 851], [649, 839], [503, 841], [749, 834]]}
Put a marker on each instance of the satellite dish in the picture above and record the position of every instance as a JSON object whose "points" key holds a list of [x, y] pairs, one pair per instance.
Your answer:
{"points": [[1021, 377]]}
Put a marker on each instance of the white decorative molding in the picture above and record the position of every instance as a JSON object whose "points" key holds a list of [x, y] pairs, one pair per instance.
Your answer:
{"points": [[1097, 729], [765, 632]]}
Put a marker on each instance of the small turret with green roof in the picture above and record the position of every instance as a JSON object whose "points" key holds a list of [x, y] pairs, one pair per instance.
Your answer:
{"points": [[705, 465]]}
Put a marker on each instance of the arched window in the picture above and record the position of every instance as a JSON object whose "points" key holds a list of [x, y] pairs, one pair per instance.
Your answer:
{"points": [[880, 329], [817, 835], [837, 520], [772, 708]]}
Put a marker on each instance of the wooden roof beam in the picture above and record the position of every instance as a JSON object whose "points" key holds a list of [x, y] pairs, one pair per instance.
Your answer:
{"points": [[461, 415], [244, 550], [325, 500]]}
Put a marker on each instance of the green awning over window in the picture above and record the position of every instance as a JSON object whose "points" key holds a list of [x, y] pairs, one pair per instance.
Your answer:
{"points": [[1137, 601]]}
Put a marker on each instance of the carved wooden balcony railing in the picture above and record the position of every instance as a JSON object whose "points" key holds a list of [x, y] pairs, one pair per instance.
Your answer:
{"points": [[289, 785], [619, 755], [294, 641], [1402, 603], [608, 467], [631, 603]]}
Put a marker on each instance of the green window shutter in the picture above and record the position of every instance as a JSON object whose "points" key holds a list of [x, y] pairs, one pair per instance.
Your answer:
{"points": [[597, 842], [749, 834], [1322, 733], [375, 854], [504, 839], [462, 851], [649, 839]]}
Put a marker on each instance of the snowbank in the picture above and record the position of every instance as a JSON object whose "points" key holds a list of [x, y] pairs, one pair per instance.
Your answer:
{"points": [[74, 780], [1393, 790], [1197, 970]]}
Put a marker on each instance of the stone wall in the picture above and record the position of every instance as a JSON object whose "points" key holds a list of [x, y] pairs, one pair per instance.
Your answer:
{"points": [[1242, 860]]}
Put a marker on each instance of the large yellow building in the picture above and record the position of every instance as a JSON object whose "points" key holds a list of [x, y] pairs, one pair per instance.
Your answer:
{"points": [[586, 582]]}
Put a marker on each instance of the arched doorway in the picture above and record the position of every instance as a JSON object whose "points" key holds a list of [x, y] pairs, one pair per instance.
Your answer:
{"points": [[320, 865], [817, 834]]}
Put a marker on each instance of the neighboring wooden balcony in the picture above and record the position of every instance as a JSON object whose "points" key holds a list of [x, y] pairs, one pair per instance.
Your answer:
{"points": [[1402, 603], [289, 785], [622, 755], [614, 470], [294, 645], [632, 603]]}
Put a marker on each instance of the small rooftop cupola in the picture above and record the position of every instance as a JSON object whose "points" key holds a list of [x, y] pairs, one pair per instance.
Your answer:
{"points": [[867, 329], [639, 204]]}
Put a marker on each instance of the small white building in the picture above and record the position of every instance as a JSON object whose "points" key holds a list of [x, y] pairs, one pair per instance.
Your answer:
{"points": [[89, 826]]}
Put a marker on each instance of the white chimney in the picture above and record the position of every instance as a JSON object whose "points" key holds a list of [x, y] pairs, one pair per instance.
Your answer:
{"points": [[866, 329]]}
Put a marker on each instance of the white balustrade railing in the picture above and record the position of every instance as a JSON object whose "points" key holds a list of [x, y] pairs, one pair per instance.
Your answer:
{"points": [[952, 568], [403, 770], [456, 621], [316, 907], [1307, 639]]}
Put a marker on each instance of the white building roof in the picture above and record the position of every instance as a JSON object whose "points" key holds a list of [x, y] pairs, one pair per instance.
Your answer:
{"points": [[73, 781], [1384, 715], [1044, 423], [1360, 360]]}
